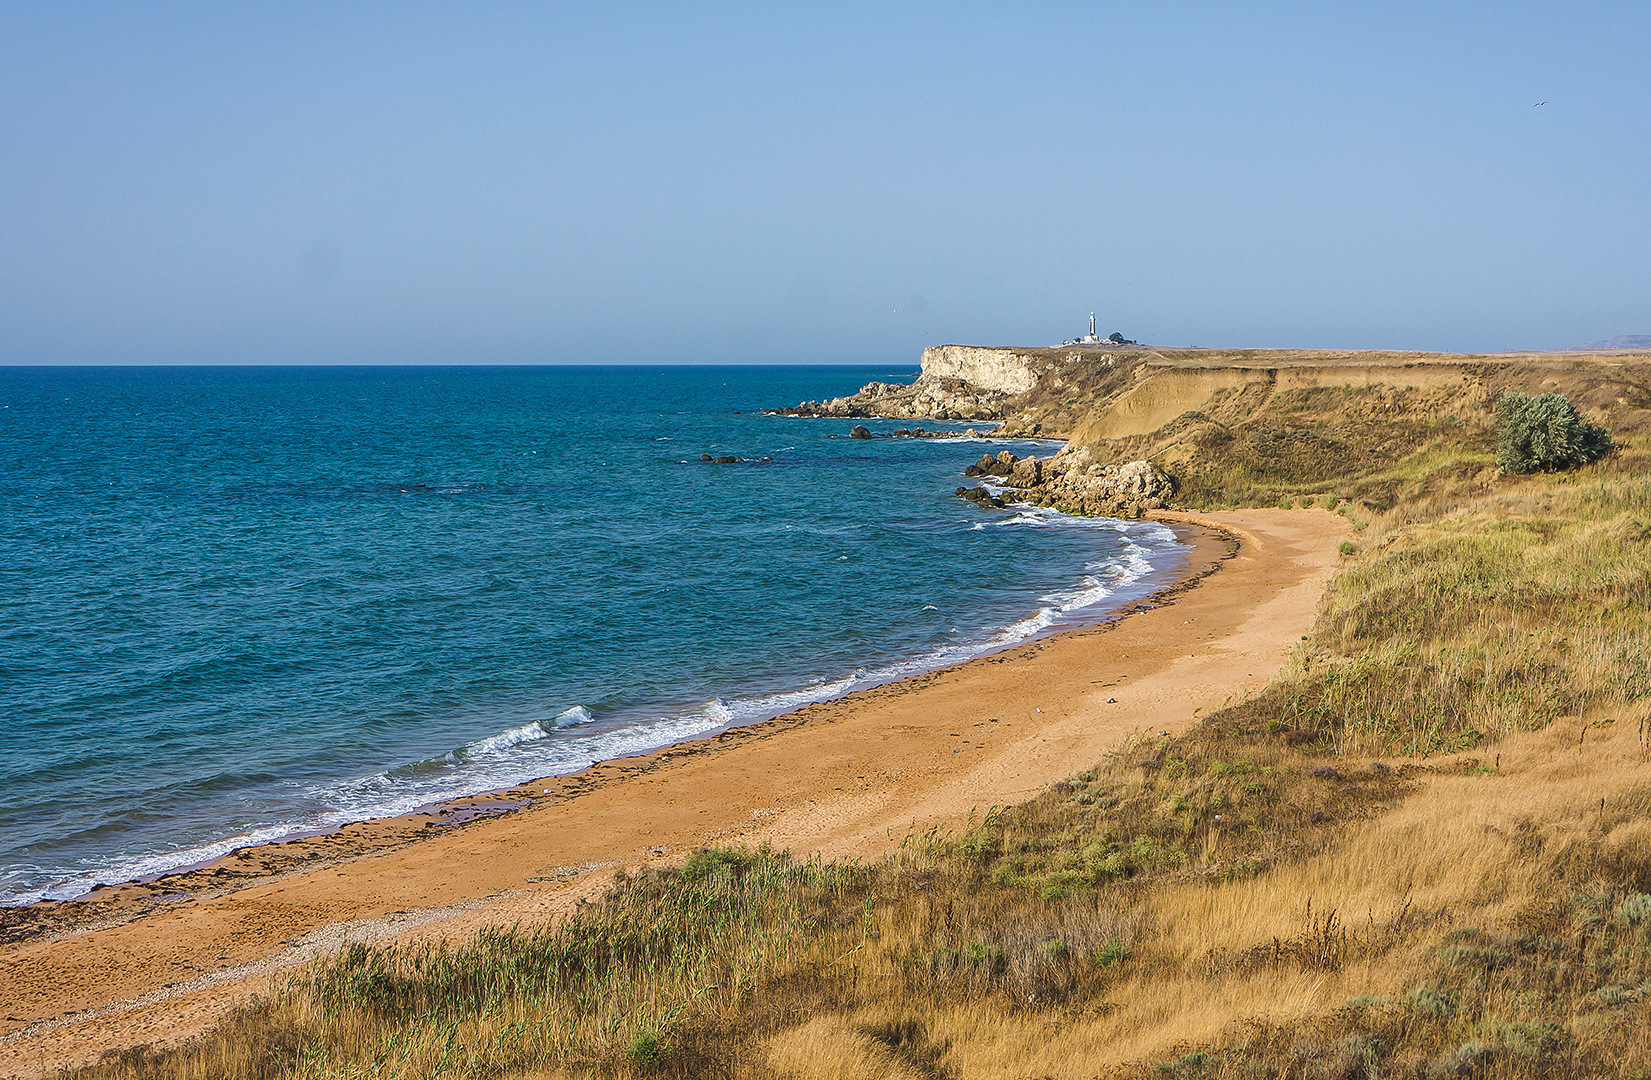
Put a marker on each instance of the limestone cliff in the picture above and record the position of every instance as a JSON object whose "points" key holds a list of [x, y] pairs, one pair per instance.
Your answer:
{"points": [[1002, 371], [957, 382]]}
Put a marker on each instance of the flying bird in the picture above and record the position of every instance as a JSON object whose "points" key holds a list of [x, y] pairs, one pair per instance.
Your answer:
{"points": [[1539, 105]]}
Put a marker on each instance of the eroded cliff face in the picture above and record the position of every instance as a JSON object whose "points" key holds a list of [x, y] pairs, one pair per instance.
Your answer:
{"points": [[1001, 371]]}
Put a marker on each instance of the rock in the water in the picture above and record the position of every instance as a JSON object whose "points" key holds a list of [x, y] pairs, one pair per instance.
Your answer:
{"points": [[727, 460], [979, 496], [859, 431], [1074, 482], [706, 457]]}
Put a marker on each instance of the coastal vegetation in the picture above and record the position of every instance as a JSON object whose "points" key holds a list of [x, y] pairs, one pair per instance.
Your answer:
{"points": [[1424, 850], [1545, 433]]}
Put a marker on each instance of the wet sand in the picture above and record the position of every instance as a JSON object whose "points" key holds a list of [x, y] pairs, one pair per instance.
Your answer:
{"points": [[159, 962]]}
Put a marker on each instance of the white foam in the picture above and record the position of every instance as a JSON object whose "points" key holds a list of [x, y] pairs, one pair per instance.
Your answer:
{"points": [[573, 717], [504, 740]]}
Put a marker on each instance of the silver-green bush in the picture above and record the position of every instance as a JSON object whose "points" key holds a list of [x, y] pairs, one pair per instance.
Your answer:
{"points": [[1545, 433]]}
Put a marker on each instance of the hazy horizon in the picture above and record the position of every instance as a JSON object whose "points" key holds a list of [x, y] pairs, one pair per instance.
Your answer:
{"points": [[303, 184]]}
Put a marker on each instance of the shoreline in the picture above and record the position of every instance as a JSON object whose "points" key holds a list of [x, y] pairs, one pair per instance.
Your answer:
{"points": [[454, 810], [158, 962]]}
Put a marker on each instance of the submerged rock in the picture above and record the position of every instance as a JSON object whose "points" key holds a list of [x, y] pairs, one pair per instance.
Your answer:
{"points": [[980, 497]]}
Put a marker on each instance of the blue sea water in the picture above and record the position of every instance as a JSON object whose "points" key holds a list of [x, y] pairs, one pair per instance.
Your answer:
{"points": [[239, 603]]}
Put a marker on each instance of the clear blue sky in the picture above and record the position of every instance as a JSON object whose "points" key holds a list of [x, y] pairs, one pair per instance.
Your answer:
{"points": [[318, 183]]}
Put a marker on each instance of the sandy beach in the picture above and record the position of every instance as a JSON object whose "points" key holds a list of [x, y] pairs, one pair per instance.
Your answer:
{"points": [[156, 963]]}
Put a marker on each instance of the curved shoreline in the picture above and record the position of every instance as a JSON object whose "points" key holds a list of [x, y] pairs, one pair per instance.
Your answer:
{"points": [[119, 882], [156, 963]]}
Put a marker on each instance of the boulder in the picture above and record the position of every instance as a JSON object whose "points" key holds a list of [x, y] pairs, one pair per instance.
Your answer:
{"points": [[1028, 472], [1001, 465], [859, 431]]}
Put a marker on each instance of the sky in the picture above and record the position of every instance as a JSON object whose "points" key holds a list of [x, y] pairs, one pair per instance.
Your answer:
{"points": [[767, 183]]}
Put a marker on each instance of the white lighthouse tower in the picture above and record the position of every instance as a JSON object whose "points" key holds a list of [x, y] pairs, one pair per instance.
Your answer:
{"points": [[1091, 338]]}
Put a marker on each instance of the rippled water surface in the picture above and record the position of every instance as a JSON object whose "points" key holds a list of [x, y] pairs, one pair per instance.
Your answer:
{"points": [[238, 602]]}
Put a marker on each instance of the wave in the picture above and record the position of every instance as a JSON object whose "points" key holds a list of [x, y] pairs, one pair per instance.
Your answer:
{"points": [[575, 738], [532, 731]]}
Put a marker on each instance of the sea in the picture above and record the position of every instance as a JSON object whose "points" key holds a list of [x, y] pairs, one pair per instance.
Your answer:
{"points": [[243, 603]]}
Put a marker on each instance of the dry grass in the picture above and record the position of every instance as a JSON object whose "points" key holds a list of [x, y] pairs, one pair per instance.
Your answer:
{"points": [[1319, 882]]}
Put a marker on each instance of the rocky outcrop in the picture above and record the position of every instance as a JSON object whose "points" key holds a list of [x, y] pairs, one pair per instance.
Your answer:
{"points": [[1075, 482], [925, 399], [958, 382]]}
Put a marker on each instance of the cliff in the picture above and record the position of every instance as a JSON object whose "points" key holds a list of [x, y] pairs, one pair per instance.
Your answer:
{"points": [[1248, 420], [957, 382], [1002, 371]]}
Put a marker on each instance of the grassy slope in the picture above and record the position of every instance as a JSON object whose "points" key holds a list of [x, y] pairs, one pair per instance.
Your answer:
{"points": [[1424, 850]]}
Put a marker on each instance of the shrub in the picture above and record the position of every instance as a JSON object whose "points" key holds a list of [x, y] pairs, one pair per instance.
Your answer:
{"points": [[1465, 1060], [1110, 954], [1429, 1002], [645, 1049], [708, 862], [1545, 433], [1635, 909]]}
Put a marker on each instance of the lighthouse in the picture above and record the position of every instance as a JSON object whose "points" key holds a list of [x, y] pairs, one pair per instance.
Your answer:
{"points": [[1091, 338]]}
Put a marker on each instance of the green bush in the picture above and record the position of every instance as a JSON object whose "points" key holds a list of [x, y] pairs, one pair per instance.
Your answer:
{"points": [[646, 1048], [1545, 433], [708, 862], [1110, 954]]}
